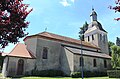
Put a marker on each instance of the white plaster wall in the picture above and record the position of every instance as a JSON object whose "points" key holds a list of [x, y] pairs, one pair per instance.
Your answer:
{"points": [[4, 68], [31, 44], [88, 63], [67, 61], [52, 62], [12, 66]]}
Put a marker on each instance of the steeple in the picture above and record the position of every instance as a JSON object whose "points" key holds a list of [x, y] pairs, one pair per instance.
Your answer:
{"points": [[93, 15], [95, 34]]}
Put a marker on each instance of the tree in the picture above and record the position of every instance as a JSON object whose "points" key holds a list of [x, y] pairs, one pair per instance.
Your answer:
{"points": [[118, 41], [110, 44], [115, 57], [1, 61], [116, 8], [83, 29], [12, 21]]}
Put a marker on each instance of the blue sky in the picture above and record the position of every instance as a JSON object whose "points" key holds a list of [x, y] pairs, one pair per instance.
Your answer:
{"points": [[65, 17]]}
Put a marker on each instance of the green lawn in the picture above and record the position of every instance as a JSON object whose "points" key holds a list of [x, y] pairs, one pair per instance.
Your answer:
{"points": [[65, 78]]}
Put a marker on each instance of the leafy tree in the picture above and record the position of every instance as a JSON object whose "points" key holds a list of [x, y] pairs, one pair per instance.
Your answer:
{"points": [[110, 44], [12, 21], [116, 8], [1, 61], [115, 56], [83, 29], [118, 41]]}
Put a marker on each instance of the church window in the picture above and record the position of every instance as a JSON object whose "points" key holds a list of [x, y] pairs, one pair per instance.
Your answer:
{"points": [[100, 36], [45, 52], [94, 63], [92, 37], [104, 38], [88, 38], [105, 64], [81, 61]]}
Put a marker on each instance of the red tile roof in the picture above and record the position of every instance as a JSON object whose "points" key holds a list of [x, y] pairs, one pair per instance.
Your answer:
{"points": [[55, 37], [20, 50]]}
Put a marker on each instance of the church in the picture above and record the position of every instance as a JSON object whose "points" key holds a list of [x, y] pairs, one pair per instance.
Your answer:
{"points": [[46, 51]]}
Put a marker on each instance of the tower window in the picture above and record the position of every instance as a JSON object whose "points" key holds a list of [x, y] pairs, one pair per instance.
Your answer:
{"points": [[104, 38], [105, 64], [94, 63], [92, 37], [45, 53], [100, 36], [81, 61], [88, 38]]}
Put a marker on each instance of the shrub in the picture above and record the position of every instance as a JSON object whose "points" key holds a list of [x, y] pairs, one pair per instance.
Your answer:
{"points": [[113, 73], [47, 73], [75, 74], [88, 74], [27, 73]]}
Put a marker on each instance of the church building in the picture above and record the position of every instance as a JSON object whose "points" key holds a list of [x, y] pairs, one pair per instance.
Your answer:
{"points": [[48, 51]]}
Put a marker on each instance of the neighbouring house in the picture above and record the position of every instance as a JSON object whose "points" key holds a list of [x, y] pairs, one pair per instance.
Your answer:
{"points": [[45, 51]]}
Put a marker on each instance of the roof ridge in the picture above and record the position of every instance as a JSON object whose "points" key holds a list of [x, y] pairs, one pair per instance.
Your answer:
{"points": [[69, 37], [62, 39], [60, 35]]}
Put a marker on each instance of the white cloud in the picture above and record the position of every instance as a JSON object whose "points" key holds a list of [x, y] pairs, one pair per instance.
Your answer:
{"points": [[65, 3]]}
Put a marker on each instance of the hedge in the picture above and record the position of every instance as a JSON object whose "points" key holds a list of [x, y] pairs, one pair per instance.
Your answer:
{"points": [[88, 74], [75, 74], [113, 73], [47, 73]]}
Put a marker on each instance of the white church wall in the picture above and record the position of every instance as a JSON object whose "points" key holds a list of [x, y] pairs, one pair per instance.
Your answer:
{"points": [[67, 62], [31, 44], [52, 61], [88, 63], [12, 65]]}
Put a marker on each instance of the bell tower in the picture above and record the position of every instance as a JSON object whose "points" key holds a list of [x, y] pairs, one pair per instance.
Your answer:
{"points": [[96, 35]]}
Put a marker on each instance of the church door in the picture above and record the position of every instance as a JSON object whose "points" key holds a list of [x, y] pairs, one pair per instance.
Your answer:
{"points": [[20, 67]]}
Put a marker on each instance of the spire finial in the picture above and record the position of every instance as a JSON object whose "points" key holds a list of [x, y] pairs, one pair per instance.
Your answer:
{"points": [[93, 15], [45, 29], [92, 8]]}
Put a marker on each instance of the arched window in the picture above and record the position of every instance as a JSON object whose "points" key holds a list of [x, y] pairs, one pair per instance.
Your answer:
{"points": [[94, 63], [45, 52], [81, 61], [105, 64], [20, 67]]}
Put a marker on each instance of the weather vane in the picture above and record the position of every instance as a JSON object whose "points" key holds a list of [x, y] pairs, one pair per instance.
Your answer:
{"points": [[45, 29]]}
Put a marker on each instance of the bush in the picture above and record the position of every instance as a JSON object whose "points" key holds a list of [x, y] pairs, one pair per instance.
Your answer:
{"points": [[113, 73], [75, 74], [47, 73], [88, 74], [94, 74]]}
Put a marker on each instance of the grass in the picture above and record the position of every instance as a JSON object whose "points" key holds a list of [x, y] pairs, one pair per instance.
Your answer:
{"points": [[66, 78], [1, 77]]}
